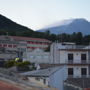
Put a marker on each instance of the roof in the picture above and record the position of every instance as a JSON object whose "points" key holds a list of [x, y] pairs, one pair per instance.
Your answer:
{"points": [[24, 38], [45, 66], [72, 47], [29, 38], [42, 72], [75, 49], [80, 82]]}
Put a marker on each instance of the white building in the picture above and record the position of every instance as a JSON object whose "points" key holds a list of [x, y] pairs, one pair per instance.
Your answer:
{"points": [[76, 57], [52, 77], [38, 56]]}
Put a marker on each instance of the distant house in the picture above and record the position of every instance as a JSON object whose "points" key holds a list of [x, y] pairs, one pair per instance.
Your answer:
{"points": [[52, 77]]}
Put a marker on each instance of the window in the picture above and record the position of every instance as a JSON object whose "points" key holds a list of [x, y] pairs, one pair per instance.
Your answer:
{"points": [[0, 45], [83, 56], [9, 45], [70, 71], [38, 79], [14, 46], [70, 56], [44, 81], [4, 45], [83, 71]]}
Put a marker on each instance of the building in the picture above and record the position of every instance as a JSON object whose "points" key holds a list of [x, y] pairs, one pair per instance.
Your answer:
{"points": [[38, 56], [10, 48], [76, 57], [33, 43], [15, 46], [52, 77]]}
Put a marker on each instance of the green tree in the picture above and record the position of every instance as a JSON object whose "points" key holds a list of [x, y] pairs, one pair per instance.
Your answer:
{"points": [[9, 63]]}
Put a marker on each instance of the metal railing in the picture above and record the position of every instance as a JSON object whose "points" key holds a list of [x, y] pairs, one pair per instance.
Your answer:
{"points": [[77, 61], [77, 47], [79, 76]]}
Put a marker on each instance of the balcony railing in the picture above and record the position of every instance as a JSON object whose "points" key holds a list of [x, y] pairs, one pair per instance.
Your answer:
{"points": [[77, 61], [77, 47], [79, 76]]}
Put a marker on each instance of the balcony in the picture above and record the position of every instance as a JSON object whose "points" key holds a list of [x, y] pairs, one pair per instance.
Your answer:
{"points": [[77, 62], [77, 47], [79, 76]]}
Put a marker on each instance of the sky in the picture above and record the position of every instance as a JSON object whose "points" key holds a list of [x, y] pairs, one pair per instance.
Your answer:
{"points": [[37, 14]]}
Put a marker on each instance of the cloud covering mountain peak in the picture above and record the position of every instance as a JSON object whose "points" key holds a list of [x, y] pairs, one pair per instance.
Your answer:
{"points": [[69, 26]]}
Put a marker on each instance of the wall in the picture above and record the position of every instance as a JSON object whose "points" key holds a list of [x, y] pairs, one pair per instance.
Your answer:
{"points": [[57, 55], [54, 54], [77, 70], [38, 56], [40, 80], [7, 56], [56, 79], [76, 54]]}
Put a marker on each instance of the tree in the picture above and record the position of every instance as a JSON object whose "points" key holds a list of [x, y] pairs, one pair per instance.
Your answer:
{"points": [[47, 32], [9, 63]]}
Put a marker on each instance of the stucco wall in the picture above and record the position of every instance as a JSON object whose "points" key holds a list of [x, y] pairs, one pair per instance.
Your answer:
{"points": [[77, 70], [57, 78]]}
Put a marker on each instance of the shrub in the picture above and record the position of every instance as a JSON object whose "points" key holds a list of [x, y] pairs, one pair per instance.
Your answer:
{"points": [[9, 63]]}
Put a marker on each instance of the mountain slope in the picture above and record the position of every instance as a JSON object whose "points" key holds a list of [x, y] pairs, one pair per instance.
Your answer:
{"points": [[69, 26], [8, 25]]}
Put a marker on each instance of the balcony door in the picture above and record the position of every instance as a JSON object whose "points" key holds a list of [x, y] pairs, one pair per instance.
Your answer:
{"points": [[83, 58], [70, 72], [70, 58], [83, 72]]}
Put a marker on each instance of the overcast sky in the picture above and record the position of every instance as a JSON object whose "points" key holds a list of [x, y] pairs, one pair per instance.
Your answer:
{"points": [[36, 14]]}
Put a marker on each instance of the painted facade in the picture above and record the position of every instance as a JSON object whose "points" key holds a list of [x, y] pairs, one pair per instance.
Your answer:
{"points": [[76, 57]]}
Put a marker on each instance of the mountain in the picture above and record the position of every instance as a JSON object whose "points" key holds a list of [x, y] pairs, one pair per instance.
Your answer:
{"points": [[7, 25], [69, 26]]}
